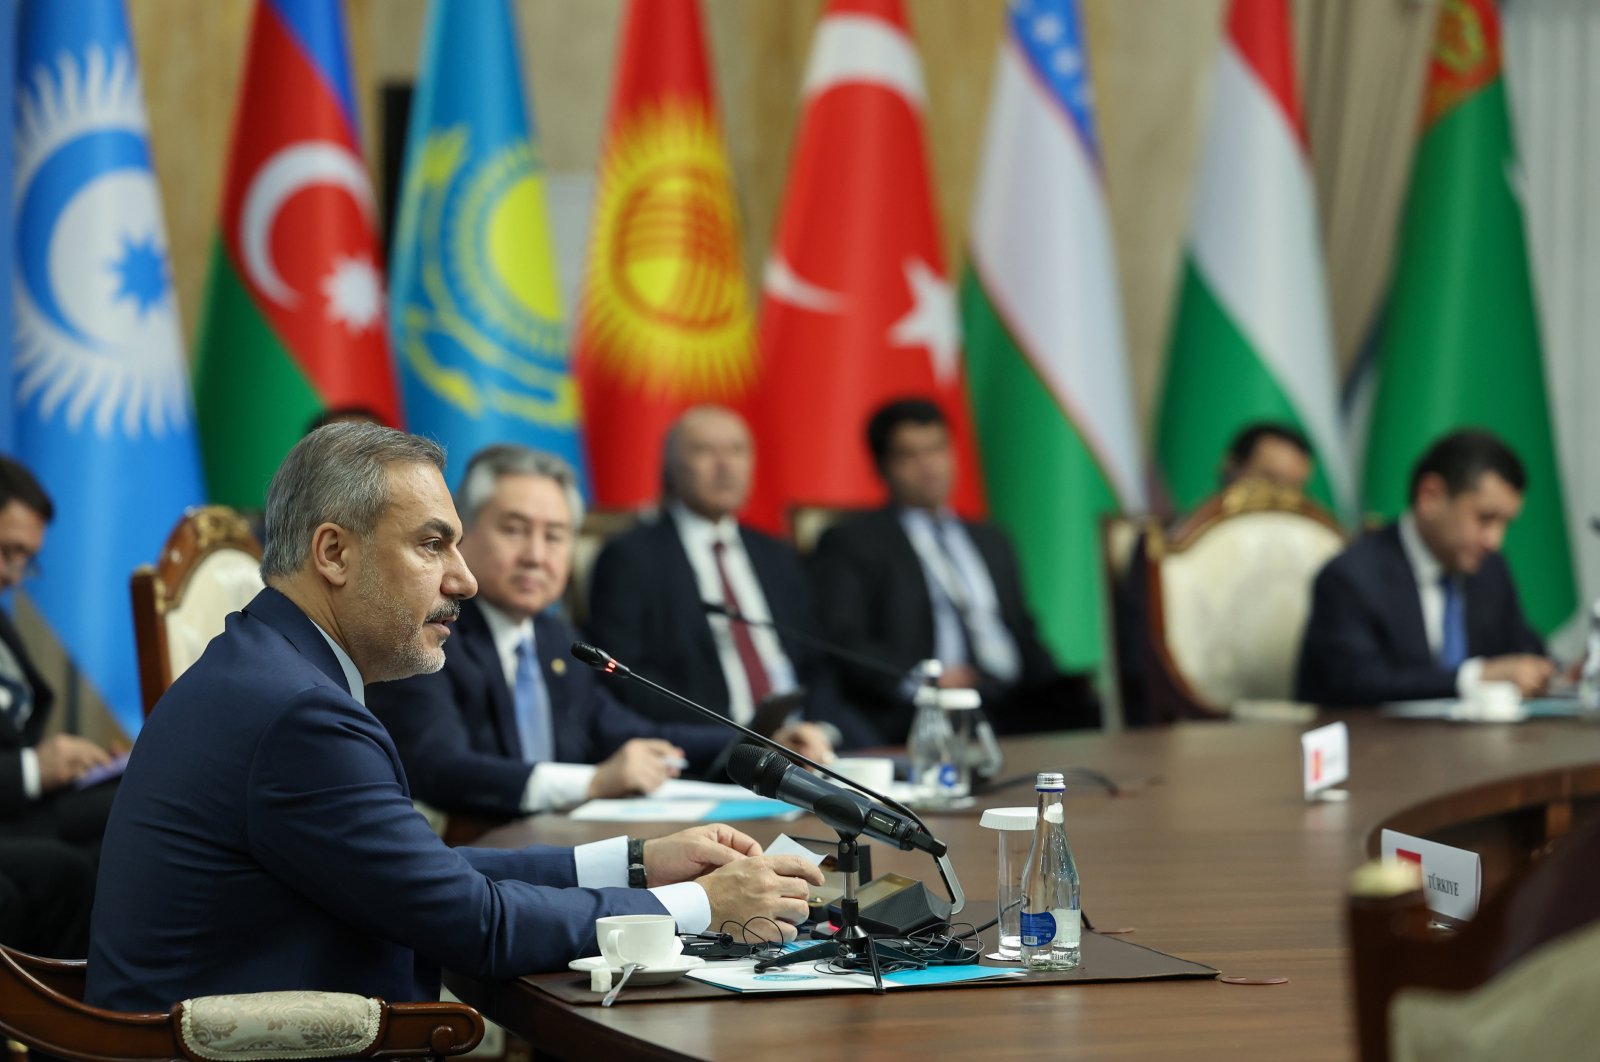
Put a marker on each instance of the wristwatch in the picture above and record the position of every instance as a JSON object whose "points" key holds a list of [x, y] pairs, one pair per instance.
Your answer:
{"points": [[636, 878]]}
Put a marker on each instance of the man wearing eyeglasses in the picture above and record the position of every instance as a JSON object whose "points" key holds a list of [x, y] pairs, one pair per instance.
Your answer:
{"points": [[37, 796]]}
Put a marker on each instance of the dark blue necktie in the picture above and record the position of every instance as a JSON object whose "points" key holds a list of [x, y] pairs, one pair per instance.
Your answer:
{"points": [[1453, 647]]}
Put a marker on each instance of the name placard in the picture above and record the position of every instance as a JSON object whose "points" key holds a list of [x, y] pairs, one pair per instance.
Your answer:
{"points": [[1325, 757], [1452, 878]]}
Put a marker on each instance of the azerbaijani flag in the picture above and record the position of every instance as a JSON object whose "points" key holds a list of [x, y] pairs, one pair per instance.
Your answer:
{"points": [[479, 332], [1046, 362], [665, 321], [294, 316], [1251, 338], [1460, 342]]}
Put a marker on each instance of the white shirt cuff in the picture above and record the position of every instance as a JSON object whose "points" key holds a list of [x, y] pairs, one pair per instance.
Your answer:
{"points": [[556, 785], [30, 776], [688, 903], [604, 865], [1468, 675]]}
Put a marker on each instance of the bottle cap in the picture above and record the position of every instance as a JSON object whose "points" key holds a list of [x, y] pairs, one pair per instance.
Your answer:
{"points": [[1050, 780]]}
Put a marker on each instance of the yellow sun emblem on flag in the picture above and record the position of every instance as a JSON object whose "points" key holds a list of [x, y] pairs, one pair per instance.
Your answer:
{"points": [[665, 306]]}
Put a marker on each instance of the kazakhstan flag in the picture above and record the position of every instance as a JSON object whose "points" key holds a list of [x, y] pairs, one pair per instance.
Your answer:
{"points": [[98, 381], [479, 334]]}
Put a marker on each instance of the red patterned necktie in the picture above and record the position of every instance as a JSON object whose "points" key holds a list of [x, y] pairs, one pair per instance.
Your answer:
{"points": [[754, 670]]}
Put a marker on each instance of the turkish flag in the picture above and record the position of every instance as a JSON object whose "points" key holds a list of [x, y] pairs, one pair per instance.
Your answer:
{"points": [[857, 307]]}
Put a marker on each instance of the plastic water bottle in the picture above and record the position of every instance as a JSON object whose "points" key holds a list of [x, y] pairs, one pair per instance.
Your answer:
{"points": [[931, 744], [1589, 677], [1051, 916]]}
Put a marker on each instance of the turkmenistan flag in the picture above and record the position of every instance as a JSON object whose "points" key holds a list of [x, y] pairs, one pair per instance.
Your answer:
{"points": [[294, 316], [1251, 339], [1461, 339], [1046, 364]]}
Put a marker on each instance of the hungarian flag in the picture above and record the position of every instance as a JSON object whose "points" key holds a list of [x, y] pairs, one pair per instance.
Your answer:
{"points": [[1251, 338], [1460, 345], [1045, 353], [665, 319], [294, 320], [856, 308]]}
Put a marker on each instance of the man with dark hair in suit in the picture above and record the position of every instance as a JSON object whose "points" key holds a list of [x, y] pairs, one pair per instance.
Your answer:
{"points": [[911, 581], [37, 797], [264, 836], [1271, 451], [651, 584], [1426, 607], [511, 725]]}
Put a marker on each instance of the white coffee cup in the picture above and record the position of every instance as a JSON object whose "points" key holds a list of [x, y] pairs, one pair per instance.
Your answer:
{"points": [[647, 939], [873, 772], [1495, 702]]}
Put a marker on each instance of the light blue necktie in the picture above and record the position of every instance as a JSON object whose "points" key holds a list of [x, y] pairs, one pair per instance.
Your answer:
{"points": [[533, 706], [1453, 647]]}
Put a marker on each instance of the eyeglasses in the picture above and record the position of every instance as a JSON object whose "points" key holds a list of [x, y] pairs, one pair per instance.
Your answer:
{"points": [[19, 560]]}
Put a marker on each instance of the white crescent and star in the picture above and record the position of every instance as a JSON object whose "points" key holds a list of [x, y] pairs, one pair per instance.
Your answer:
{"points": [[289, 171]]}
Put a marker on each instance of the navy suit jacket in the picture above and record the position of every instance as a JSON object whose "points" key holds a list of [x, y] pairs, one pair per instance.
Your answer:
{"points": [[1365, 641], [13, 738], [263, 838], [457, 729], [874, 598], [646, 610]]}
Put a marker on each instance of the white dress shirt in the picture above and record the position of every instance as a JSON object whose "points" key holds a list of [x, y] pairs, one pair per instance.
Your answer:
{"points": [[599, 864], [1427, 569], [699, 536]]}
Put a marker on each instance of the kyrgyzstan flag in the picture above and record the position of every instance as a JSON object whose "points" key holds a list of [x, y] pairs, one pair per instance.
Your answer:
{"points": [[294, 321], [857, 307], [665, 321]]}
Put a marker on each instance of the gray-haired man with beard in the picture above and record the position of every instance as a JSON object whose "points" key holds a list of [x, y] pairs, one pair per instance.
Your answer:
{"points": [[264, 838]]}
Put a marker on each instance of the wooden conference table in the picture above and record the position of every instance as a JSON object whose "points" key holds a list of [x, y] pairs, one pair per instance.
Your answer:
{"points": [[1210, 854]]}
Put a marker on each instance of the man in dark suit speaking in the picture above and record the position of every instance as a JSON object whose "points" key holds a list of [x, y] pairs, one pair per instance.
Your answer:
{"points": [[263, 836], [1425, 607], [511, 725], [912, 581]]}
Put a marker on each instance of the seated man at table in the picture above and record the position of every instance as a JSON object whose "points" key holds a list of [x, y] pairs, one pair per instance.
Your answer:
{"points": [[264, 836], [512, 724], [1425, 607], [651, 585], [912, 581]]}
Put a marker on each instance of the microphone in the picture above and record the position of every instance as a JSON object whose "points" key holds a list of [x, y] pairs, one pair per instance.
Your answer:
{"points": [[770, 774]]}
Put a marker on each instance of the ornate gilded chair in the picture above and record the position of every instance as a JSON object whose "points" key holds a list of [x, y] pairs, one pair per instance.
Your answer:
{"points": [[1228, 594], [209, 567], [41, 1006], [599, 527], [808, 523]]}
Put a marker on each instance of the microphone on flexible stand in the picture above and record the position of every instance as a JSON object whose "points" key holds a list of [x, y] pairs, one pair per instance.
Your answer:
{"points": [[919, 837]]}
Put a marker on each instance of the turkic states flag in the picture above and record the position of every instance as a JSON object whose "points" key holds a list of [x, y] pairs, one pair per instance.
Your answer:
{"points": [[1460, 343], [479, 332], [97, 376], [294, 321], [1251, 339], [665, 321], [857, 307], [1046, 361]]}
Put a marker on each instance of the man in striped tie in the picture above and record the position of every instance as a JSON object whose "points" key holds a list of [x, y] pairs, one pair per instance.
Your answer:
{"points": [[1426, 607]]}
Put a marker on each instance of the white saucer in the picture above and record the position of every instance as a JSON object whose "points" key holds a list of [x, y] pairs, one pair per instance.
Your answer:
{"points": [[670, 970]]}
